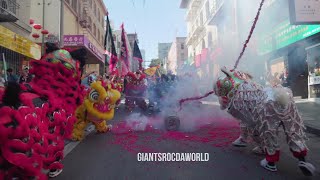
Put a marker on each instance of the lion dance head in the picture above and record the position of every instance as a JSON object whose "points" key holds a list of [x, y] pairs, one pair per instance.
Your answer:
{"points": [[98, 107], [100, 101]]}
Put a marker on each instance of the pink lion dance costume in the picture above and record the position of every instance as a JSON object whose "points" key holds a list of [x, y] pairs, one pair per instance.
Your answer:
{"points": [[35, 118], [135, 91], [263, 111]]}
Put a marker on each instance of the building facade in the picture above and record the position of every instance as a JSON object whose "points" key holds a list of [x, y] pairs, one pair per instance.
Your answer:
{"points": [[143, 54], [163, 50], [16, 49], [134, 63], [78, 23], [177, 55], [202, 37]]}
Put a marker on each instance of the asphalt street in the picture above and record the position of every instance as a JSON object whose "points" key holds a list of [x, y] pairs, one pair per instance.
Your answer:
{"points": [[114, 155]]}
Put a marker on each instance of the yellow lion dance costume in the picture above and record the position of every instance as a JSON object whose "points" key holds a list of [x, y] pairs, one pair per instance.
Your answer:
{"points": [[97, 108]]}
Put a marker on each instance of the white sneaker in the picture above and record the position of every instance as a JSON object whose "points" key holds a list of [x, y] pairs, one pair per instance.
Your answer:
{"points": [[264, 163], [258, 150], [55, 173], [307, 168], [240, 142]]}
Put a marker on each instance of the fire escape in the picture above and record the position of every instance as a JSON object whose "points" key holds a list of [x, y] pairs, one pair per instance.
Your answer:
{"points": [[85, 20], [8, 10]]}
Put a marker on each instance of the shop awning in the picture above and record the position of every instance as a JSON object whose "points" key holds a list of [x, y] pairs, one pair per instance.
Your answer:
{"points": [[19, 44], [94, 56]]}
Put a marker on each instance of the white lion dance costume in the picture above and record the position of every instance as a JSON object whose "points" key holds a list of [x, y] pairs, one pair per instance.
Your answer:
{"points": [[264, 111]]}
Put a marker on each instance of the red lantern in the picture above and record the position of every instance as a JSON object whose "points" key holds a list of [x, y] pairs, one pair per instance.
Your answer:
{"points": [[35, 35], [31, 21], [45, 32], [37, 26]]}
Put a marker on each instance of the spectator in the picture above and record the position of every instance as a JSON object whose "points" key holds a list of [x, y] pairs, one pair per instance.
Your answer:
{"points": [[25, 77], [11, 77]]}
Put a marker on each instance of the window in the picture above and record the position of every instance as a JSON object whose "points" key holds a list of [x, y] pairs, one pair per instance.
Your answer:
{"points": [[4, 4], [207, 10], [210, 39], [182, 46], [94, 30], [79, 8], [99, 15], [203, 44], [74, 5], [95, 9], [98, 35], [90, 23]]}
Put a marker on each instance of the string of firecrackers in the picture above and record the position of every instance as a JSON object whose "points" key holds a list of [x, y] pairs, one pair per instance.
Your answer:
{"points": [[250, 34]]}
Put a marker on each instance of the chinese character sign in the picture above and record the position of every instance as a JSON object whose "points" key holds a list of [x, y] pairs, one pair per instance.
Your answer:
{"points": [[73, 40]]}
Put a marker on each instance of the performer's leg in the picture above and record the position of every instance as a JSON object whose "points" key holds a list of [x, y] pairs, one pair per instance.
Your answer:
{"points": [[296, 141], [258, 149], [78, 131], [271, 147], [129, 103], [102, 127], [244, 133], [142, 104]]}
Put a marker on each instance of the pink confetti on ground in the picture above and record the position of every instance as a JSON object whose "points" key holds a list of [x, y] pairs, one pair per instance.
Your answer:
{"points": [[221, 133]]}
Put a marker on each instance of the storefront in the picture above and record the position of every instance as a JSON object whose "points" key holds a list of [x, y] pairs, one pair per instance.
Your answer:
{"points": [[313, 59], [16, 51], [95, 59], [285, 51]]}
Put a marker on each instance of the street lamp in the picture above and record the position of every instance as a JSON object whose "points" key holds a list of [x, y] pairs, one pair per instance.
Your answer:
{"points": [[43, 16]]}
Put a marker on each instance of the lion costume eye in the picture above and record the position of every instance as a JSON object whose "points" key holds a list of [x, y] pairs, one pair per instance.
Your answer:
{"points": [[94, 95], [68, 65]]}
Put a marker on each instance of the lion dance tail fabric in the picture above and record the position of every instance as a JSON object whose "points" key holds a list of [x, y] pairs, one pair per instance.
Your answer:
{"points": [[35, 118]]}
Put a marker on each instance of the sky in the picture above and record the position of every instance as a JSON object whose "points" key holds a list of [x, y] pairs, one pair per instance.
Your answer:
{"points": [[155, 21]]}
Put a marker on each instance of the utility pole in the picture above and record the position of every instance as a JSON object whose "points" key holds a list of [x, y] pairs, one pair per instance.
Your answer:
{"points": [[61, 23], [43, 16]]}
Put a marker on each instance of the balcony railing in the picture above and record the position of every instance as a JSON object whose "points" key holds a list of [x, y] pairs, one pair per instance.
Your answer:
{"points": [[8, 10], [196, 4]]}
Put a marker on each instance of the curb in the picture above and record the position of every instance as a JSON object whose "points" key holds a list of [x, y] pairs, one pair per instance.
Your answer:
{"points": [[73, 144], [313, 130]]}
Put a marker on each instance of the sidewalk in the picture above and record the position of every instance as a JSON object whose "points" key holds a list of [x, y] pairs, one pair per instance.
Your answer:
{"points": [[310, 112]]}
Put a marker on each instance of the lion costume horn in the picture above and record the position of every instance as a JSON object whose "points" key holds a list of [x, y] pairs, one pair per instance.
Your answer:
{"points": [[225, 71]]}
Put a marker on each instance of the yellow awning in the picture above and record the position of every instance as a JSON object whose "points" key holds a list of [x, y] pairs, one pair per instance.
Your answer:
{"points": [[19, 44]]}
